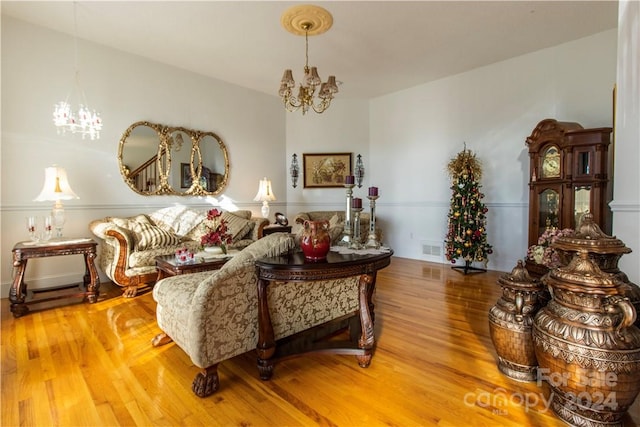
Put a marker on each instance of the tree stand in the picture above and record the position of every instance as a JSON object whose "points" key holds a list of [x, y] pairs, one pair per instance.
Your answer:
{"points": [[468, 269]]}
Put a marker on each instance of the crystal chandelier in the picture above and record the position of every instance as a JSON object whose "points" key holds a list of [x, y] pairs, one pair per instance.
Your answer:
{"points": [[84, 121], [307, 20]]}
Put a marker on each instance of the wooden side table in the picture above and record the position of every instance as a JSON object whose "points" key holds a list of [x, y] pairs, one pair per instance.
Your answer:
{"points": [[89, 290], [275, 228], [295, 268]]}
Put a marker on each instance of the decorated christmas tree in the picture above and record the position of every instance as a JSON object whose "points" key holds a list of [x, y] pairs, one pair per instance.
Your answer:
{"points": [[467, 233]]}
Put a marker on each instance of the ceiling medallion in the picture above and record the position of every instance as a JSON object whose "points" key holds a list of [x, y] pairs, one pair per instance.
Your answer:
{"points": [[295, 18]]}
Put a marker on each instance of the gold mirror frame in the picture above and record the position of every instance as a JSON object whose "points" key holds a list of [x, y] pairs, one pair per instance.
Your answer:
{"points": [[154, 174]]}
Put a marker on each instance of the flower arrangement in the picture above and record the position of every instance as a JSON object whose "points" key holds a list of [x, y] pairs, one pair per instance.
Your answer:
{"points": [[543, 253], [216, 231]]}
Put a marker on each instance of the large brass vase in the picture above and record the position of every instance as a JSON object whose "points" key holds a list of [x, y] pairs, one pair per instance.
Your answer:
{"points": [[511, 322], [587, 346], [603, 249]]}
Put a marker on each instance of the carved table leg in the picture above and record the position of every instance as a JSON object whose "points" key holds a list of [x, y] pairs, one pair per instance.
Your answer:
{"points": [[206, 382], [91, 275], [18, 288], [266, 347], [367, 339], [370, 291]]}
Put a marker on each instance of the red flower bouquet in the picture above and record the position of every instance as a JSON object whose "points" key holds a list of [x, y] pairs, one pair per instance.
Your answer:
{"points": [[216, 231]]}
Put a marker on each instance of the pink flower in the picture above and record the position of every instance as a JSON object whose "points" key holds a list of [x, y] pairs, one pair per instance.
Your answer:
{"points": [[543, 253], [216, 231]]}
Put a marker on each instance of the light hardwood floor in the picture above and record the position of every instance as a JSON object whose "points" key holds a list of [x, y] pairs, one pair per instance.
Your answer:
{"points": [[434, 364]]}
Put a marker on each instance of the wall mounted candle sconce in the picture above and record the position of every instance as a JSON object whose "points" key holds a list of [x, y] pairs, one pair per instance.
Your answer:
{"points": [[294, 170], [359, 171]]}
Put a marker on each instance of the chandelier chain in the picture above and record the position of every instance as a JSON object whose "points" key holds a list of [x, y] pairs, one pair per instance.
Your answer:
{"points": [[75, 35], [306, 50], [77, 56]]}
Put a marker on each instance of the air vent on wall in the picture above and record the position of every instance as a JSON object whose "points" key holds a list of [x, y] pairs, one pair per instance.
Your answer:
{"points": [[432, 250]]}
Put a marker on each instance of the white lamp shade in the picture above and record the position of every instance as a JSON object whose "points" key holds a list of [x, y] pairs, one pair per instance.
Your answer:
{"points": [[265, 194], [56, 186]]}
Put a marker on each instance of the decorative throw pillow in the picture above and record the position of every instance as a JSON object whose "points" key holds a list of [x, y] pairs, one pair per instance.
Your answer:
{"points": [[238, 226], [243, 213], [179, 219], [126, 222], [150, 236], [336, 227]]}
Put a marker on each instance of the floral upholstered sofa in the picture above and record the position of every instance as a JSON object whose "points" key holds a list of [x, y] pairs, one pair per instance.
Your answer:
{"points": [[213, 316], [128, 246]]}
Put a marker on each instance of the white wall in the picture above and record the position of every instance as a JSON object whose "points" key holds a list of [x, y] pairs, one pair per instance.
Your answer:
{"points": [[414, 134], [38, 71], [343, 128], [626, 192]]}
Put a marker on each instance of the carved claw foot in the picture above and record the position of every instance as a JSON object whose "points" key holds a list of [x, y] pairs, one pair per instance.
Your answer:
{"points": [[206, 382], [265, 368], [19, 310], [364, 360], [161, 339], [130, 291]]}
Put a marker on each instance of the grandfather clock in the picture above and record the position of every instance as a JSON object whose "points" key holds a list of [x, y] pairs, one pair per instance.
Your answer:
{"points": [[568, 176]]}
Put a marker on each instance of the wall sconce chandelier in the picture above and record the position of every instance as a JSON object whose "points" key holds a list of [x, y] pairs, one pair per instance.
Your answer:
{"points": [[307, 20], [359, 171], [83, 121], [294, 170]]}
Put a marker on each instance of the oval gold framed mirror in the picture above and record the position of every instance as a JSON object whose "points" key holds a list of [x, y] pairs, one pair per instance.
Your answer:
{"points": [[155, 159]]}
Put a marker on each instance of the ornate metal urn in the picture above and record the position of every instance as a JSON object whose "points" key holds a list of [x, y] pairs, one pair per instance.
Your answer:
{"points": [[604, 250], [587, 346], [511, 322]]}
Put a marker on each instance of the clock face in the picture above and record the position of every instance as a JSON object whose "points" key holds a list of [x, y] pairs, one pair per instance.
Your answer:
{"points": [[551, 163]]}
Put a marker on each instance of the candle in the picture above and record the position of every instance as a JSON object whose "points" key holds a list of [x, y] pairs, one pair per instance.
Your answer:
{"points": [[349, 179], [356, 203], [373, 191]]}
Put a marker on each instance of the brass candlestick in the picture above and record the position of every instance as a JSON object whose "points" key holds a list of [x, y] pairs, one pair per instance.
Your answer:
{"points": [[372, 238], [347, 232]]}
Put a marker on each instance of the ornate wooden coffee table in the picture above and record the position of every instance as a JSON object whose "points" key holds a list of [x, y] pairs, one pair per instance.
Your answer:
{"points": [[295, 268], [167, 265]]}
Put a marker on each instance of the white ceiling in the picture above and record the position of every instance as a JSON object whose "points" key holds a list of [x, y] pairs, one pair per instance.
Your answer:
{"points": [[374, 47]]}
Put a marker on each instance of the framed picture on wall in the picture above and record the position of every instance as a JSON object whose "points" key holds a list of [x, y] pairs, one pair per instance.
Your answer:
{"points": [[326, 170], [185, 175]]}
